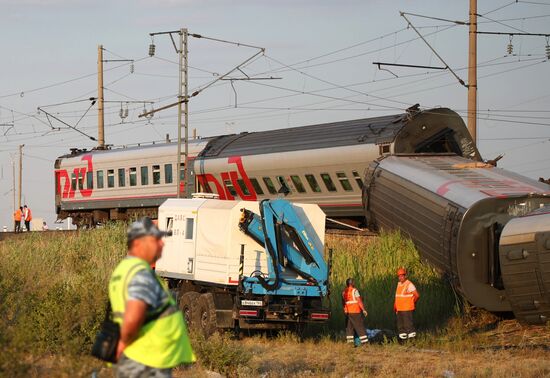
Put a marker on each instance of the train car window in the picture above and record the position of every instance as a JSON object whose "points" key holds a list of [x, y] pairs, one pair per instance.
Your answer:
{"points": [[111, 178], [357, 179], [80, 181], [269, 184], [298, 184], [344, 181], [257, 188], [313, 184], [182, 171], [99, 180], [229, 185], [133, 176], [89, 180], [243, 187], [328, 182], [384, 149], [144, 175], [73, 181], [284, 189], [121, 178], [156, 174], [168, 174]]}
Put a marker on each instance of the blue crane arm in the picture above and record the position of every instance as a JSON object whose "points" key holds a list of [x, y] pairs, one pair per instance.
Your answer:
{"points": [[281, 231]]}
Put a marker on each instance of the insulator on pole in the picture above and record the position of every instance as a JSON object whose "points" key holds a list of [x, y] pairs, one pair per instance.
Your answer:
{"points": [[123, 113], [152, 47], [510, 47], [547, 48], [132, 68]]}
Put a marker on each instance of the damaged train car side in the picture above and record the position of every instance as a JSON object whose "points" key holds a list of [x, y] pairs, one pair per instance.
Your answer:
{"points": [[455, 210]]}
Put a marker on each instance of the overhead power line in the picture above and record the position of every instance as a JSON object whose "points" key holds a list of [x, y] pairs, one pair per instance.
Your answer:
{"points": [[433, 50]]}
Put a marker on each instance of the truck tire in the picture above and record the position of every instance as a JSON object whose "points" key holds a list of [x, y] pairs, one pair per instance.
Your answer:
{"points": [[188, 302], [204, 315]]}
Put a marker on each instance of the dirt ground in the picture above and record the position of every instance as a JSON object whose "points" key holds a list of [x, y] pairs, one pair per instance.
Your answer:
{"points": [[500, 349]]}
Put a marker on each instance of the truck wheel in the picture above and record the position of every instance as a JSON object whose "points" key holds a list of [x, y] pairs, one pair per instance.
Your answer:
{"points": [[204, 315], [188, 302]]}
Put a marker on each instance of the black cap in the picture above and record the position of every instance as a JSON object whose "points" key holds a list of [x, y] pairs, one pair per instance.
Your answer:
{"points": [[145, 227]]}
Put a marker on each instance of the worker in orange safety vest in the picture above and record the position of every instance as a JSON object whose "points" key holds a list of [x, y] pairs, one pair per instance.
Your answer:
{"points": [[406, 297], [354, 309], [27, 215], [17, 215]]}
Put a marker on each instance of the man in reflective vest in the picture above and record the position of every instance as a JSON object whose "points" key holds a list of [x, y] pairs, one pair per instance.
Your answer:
{"points": [[153, 335], [17, 215], [406, 297], [353, 308], [27, 216]]}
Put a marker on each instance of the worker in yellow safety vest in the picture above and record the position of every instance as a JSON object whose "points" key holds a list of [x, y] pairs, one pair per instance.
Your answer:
{"points": [[406, 297], [354, 309], [153, 334]]}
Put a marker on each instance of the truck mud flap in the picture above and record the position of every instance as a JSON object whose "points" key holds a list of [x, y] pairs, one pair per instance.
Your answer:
{"points": [[525, 264]]}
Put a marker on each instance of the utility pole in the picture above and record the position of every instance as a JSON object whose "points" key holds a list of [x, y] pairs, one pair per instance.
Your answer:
{"points": [[100, 99], [13, 181], [20, 171], [472, 72], [184, 97], [183, 114]]}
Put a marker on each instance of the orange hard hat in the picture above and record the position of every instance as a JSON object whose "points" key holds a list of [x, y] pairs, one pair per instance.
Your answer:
{"points": [[401, 271]]}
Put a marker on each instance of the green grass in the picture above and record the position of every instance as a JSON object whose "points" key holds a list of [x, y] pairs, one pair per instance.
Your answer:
{"points": [[53, 290], [373, 264], [53, 293]]}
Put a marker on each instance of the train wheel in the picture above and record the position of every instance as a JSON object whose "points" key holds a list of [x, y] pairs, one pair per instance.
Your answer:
{"points": [[204, 315], [187, 302]]}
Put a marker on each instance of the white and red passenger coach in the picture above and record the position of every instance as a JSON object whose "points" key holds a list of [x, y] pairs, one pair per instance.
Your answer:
{"points": [[323, 164]]}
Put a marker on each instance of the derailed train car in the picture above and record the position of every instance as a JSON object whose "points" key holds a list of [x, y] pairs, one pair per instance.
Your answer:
{"points": [[457, 212], [321, 164], [525, 264]]}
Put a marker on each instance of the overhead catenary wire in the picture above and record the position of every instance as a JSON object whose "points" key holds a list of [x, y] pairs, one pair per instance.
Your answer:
{"points": [[433, 50]]}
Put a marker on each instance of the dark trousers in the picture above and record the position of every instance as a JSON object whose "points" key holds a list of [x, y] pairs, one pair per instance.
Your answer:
{"points": [[405, 325], [354, 323], [28, 225], [17, 226]]}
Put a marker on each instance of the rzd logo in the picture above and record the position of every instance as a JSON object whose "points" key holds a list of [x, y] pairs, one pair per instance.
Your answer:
{"points": [[207, 179], [65, 189]]}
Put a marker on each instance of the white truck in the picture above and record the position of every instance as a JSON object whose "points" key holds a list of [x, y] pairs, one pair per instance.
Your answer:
{"points": [[245, 265]]}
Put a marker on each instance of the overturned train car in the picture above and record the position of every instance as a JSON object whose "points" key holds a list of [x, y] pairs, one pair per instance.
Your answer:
{"points": [[461, 215]]}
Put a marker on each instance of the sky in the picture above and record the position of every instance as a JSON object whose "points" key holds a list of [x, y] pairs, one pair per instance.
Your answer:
{"points": [[320, 54]]}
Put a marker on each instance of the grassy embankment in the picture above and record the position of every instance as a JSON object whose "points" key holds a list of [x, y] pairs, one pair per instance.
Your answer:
{"points": [[53, 292]]}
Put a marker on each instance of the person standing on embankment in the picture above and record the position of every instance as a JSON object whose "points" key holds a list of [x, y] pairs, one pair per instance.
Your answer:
{"points": [[406, 297], [153, 335], [27, 216], [17, 215], [354, 309]]}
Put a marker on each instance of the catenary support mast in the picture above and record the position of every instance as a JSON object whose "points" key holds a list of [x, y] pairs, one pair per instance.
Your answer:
{"points": [[472, 72]]}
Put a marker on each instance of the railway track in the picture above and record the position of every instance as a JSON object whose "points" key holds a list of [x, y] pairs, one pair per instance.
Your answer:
{"points": [[13, 235]]}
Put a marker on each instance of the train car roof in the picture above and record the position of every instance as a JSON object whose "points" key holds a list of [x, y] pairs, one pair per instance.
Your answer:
{"points": [[461, 180], [335, 134], [137, 151]]}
